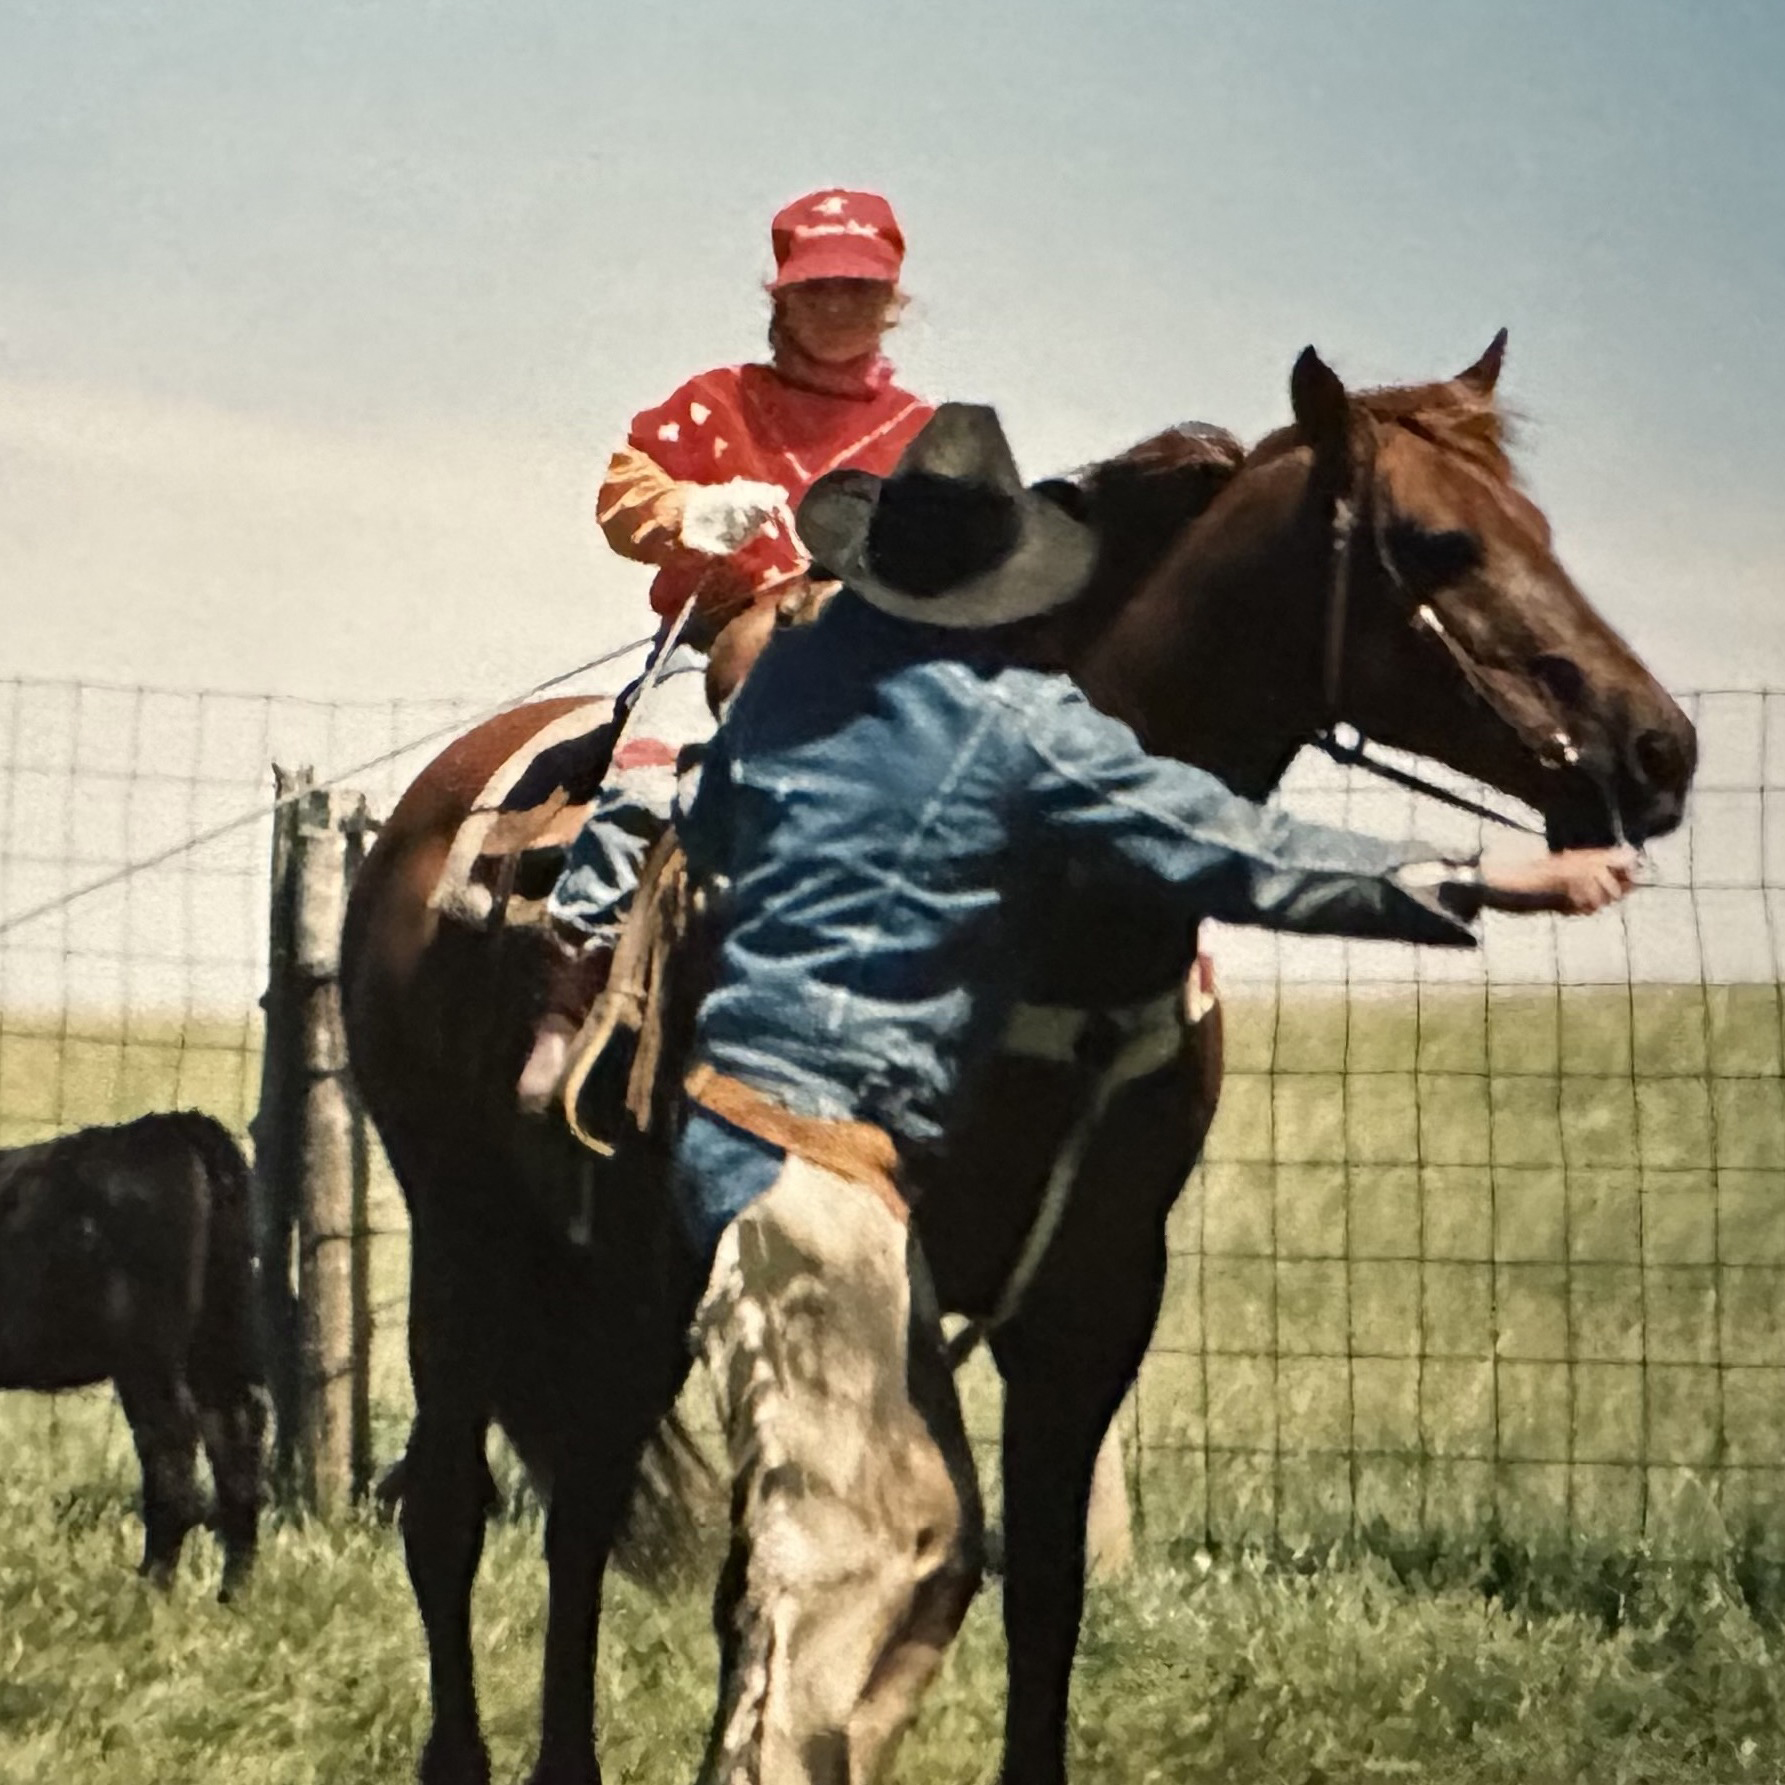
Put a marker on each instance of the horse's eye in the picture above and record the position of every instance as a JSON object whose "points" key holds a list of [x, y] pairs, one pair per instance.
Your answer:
{"points": [[1431, 558], [1560, 675]]}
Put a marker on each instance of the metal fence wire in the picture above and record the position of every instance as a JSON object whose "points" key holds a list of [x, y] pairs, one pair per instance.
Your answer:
{"points": [[1488, 1240]]}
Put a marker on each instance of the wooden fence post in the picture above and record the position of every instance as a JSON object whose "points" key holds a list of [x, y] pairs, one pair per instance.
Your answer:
{"points": [[275, 1129], [357, 826], [312, 1152], [325, 1153]]}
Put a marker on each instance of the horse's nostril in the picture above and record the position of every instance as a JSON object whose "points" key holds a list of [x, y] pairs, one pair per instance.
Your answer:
{"points": [[1659, 758]]}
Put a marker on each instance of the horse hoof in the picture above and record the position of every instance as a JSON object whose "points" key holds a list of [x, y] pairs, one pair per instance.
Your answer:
{"points": [[453, 1763], [579, 1771], [236, 1572]]}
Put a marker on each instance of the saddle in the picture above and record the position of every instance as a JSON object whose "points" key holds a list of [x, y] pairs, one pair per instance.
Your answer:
{"points": [[511, 846]]}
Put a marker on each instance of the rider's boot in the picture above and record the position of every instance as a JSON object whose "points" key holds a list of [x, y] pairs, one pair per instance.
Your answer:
{"points": [[576, 977]]}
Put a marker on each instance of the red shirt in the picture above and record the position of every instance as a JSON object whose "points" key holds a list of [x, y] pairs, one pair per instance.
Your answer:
{"points": [[750, 422]]}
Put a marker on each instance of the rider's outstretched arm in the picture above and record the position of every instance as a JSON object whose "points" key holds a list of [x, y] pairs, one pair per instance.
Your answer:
{"points": [[1226, 857]]}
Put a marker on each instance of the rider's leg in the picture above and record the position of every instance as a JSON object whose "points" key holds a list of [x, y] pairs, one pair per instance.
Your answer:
{"points": [[578, 972], [637, 798], [600, 875]]}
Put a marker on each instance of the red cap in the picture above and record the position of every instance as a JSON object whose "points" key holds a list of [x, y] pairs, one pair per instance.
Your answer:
{"points": [[835, 234]]}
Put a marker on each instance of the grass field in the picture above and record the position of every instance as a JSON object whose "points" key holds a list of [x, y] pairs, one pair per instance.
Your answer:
{"points": [[1460, 1260], [1210, 1671], [1469, 1277]]}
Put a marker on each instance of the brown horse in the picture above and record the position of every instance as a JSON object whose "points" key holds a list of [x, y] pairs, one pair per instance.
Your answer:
{"points": [[1375, 563]]}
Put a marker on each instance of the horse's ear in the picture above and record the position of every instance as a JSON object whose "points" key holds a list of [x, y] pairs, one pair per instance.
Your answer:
{"points": [[1316, 394], [1485, 373]]}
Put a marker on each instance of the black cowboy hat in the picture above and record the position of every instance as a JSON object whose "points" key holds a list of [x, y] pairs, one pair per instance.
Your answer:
{"points": [[951, 537]]}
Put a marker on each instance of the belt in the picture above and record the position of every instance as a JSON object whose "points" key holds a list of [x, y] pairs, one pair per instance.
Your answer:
{"points": [[857, 1151]]}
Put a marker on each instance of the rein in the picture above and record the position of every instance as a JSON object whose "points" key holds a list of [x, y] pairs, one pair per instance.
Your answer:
{"points": [[1354, 753]]}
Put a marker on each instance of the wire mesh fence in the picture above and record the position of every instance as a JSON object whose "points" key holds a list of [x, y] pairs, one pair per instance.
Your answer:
{"points": [[145, 994], [1488, 1240], [1496, 1241]]}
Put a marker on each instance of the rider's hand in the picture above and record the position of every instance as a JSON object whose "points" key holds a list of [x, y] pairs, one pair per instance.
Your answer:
{"points": [[801, 601], [1575, 881], [717, 518]]}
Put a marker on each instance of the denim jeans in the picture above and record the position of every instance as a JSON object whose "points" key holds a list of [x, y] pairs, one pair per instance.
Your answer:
{"points": [[638, 798]]}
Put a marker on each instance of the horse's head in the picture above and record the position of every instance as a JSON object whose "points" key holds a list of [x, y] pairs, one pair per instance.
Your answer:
{"points": [[1376, 564], [1450, 626]]}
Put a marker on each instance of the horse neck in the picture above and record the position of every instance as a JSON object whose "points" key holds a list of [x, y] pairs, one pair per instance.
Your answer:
{"points": [[1217, 659]]}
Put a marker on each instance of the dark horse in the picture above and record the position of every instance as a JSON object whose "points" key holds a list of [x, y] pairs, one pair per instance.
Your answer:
{"points": [[1376, 563], [125, 1256]]}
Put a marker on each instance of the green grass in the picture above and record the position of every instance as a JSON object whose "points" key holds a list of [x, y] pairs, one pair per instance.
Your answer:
{"points": [[1482, 1289], [1207, 1671], [67, 1071], [1459, 1262]]}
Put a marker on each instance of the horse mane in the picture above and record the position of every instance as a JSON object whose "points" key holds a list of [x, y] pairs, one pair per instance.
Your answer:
{"points": [[1139, 501], [1168, 477], [1142, 499], [1467, 423]]}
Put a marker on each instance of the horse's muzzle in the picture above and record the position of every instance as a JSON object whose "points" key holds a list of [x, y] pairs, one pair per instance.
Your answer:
{"points": [[1629, 789]]}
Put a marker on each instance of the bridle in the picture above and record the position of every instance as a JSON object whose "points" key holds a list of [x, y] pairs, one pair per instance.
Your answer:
{"points": [[1364, 496]]}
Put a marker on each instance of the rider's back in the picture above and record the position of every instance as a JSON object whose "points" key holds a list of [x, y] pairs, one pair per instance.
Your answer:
{"points": [[859, 802]]}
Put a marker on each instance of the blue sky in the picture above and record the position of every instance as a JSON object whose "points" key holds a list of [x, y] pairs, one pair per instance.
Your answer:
{"points": [[316, 322]]}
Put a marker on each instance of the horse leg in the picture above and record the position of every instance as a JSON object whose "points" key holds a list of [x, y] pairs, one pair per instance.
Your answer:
{"points": [[232, 1424], [444, 1504], [1065, 1372], [587, 1503], [164, 1426], [638, 1350]]}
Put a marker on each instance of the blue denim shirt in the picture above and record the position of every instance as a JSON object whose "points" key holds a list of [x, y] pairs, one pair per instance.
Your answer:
{"points": [[895, 813]]}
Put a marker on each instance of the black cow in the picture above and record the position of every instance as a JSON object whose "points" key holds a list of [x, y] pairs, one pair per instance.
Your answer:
{"points": [[126, 1253]]}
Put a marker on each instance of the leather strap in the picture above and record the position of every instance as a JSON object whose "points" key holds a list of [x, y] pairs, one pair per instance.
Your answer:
{"points": [[857, 1151], [624, 1002]]}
